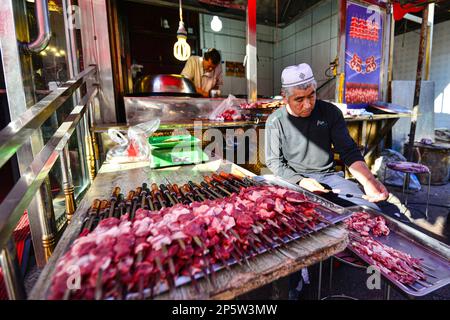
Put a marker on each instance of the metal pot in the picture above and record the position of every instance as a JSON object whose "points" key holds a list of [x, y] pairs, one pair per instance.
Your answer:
{"points": [[165, 84]]}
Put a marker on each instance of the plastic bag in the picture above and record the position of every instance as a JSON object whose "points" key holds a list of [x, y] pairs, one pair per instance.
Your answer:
{"points": [[393, 178], [133, 147], [226, 110]]}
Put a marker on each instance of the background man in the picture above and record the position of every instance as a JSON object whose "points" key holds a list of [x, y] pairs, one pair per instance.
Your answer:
{"points": [[206, 72]]}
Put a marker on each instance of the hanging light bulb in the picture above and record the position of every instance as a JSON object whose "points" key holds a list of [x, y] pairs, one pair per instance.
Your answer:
{"points": [[181, 49], [216, 24]]}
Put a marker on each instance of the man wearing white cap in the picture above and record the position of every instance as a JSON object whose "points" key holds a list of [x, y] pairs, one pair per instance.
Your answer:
{"points": [[299, 139], [298, 149]]}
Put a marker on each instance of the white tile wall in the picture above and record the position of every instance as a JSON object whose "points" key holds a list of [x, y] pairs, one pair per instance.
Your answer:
{"points": [[236, 24], [237, 57], [277, 75], [304, 22], [226, 88], [334, 26], [312, 38], [315, 42], [289, 30], [265, 87], [207, 22], [288, 46], [321, 31], [288, 60], [303, 39], [334, 6], [238, 86], [320, 59], [223, 42], [405, 63], [277, 50], [236, 32], [333, 49], [265, 49], [322, 11], [262, 29], [237, 44], [303, 56], [209, 40], [231, 43]]}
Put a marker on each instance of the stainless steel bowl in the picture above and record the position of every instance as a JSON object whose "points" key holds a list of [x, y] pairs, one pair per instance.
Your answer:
{"points": [[165, 84]]}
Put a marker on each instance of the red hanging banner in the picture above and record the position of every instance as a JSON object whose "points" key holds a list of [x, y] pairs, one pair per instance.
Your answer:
{"points": [[401, 9]]}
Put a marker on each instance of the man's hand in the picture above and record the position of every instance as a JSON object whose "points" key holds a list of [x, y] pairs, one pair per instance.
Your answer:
{"points": [[312, 185], [204, 93], [375, 191]]}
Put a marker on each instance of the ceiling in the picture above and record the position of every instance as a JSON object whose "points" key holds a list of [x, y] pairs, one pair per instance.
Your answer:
{"points": [[266, 12], [287, 11]]}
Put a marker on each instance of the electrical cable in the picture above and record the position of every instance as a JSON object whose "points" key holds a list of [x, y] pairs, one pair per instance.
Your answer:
{"points": [[324, 84]]}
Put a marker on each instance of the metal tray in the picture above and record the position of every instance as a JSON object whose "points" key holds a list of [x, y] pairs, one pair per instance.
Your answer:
{"points": [[329, 210], [434, 253]]}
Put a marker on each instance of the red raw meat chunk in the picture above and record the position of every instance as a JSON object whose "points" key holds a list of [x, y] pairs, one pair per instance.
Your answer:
{"points": [[244, 221]]}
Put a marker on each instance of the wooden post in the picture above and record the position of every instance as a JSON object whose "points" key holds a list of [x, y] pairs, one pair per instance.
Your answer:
{"points": [[415, 112]]}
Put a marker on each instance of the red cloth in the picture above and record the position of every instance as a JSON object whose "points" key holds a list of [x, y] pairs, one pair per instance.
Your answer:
{"points": [[20, 234], [400, 10]]}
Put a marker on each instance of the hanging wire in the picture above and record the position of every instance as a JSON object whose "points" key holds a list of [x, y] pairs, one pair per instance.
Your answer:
{"points": [[276, 21], [181, 13]]}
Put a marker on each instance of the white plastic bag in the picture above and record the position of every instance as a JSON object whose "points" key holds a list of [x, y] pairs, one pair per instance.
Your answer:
{"points": [[134, 147], [226, 107]]}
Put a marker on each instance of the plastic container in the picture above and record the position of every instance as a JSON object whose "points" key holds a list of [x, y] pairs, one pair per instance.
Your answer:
{"points": [[177, 156], [165, 142]]}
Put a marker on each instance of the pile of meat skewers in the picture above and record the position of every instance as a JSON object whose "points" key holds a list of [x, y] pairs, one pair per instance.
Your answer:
{"points": [[399, 265], [362, 223], [262, 105], [209, 226]]}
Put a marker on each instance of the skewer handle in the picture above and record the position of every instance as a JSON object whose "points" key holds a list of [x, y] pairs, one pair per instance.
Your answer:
{"points": [[95, 206], [155, 188], [130, 196], [116, 192]]}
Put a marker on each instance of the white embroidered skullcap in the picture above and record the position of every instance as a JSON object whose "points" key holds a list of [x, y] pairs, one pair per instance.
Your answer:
{"points": [[296, 75]]}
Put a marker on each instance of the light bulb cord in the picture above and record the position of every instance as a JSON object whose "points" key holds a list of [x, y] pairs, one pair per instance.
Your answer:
{"points": [[181, 13]]}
